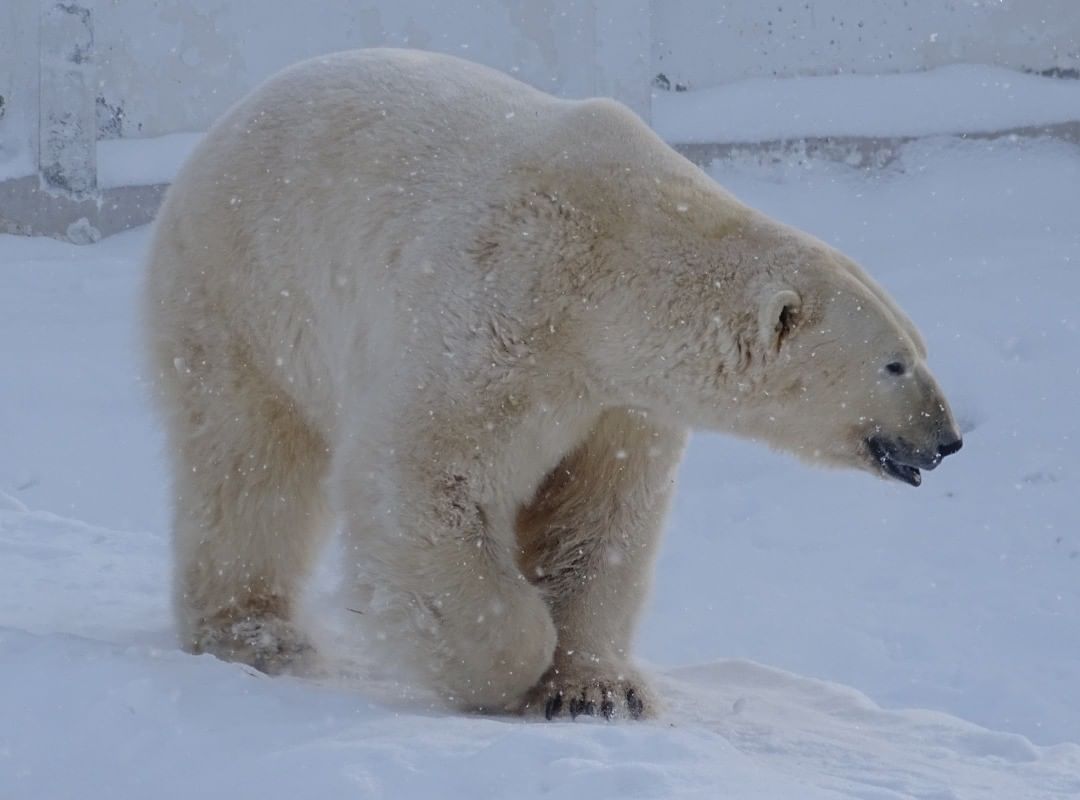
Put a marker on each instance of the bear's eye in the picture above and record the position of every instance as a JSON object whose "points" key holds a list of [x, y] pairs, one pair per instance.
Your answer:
{"points": [[895, 368]]}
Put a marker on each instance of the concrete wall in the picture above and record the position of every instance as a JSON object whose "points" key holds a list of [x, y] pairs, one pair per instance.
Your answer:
{"points": [[75, 69], [177, 64], [19, 66]]}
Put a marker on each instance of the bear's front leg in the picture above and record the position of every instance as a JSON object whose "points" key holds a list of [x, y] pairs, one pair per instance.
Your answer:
{"points": [[446, 589], [588, 540]]}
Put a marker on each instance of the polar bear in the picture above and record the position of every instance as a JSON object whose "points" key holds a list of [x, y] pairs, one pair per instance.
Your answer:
{"points": [[471, 324]]}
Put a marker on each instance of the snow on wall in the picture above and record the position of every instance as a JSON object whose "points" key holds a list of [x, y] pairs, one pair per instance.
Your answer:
{"points": [[697, 43]]}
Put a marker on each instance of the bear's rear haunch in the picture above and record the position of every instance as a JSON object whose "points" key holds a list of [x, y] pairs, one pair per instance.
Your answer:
{"points": [[473, 324]]}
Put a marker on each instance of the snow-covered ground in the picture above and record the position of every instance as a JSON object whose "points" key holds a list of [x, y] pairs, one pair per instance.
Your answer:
{"points": [[962, 596]]}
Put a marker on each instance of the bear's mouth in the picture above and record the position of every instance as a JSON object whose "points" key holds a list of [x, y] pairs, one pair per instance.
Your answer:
{"points": [[887, 459]]}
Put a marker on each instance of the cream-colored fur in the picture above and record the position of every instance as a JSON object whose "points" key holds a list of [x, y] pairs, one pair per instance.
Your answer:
{"points": [[474, 323]]}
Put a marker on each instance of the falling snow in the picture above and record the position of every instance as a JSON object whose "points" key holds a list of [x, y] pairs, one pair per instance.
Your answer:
{"points": [[784, 586]]}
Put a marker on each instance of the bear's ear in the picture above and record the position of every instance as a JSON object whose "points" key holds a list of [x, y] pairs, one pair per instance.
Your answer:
{"points": [[779, 315]]}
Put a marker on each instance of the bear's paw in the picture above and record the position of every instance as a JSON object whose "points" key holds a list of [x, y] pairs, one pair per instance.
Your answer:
{"points": [[270, 645], [592, 690]]}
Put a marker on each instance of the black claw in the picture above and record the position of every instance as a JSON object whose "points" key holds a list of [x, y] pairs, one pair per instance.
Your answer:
{"points": [[607, 707], [553, 705], [635, 704], [582, 705]]}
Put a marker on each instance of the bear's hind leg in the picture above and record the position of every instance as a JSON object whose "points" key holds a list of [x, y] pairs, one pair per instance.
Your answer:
{"points": [[588, 541], [249, 514]]}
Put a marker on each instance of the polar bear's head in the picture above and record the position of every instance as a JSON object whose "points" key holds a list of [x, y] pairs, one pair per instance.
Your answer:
{"points": [[689, 304], [771, 334], [842, 377]]}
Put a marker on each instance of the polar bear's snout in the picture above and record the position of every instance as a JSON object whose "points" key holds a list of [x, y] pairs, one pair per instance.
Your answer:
{"points": [[898, 458]]}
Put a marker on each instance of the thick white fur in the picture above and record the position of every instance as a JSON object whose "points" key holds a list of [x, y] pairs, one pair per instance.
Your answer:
{"points": [[474, 323]]}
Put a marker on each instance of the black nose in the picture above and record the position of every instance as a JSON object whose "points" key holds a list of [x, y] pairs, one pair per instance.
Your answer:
{"points": [[949, 448]]}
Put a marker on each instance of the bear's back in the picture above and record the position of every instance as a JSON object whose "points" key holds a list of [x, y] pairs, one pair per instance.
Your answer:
{"points": [[333, 194], [348, 110], [387, 114]]}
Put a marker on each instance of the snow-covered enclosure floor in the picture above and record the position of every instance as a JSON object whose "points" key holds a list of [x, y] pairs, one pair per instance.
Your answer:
{"points": [[962, 596]]}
